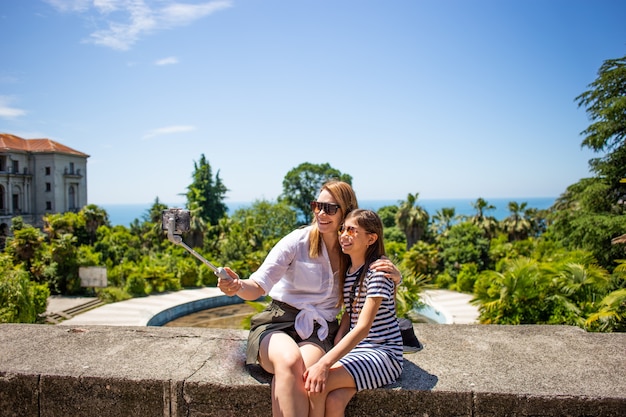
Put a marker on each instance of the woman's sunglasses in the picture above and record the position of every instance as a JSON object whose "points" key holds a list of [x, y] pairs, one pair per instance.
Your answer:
{"points": [[329, 208]]}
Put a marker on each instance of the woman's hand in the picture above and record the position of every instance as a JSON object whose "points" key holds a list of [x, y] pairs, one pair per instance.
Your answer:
{"points": [[389, 268], [229, 286]]}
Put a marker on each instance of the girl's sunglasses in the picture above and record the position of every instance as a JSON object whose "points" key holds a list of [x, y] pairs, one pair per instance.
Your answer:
{"points": [[350, 230], [329, 208]]}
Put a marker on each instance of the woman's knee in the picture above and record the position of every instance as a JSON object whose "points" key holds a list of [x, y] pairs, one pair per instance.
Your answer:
{"points": [[279, 351]]}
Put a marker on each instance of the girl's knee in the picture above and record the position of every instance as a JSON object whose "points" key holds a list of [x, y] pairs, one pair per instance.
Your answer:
{"points": [[337, 401]]}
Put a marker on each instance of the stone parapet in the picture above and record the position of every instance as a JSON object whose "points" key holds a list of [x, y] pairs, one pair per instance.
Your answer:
{"points": [[463, 370]]}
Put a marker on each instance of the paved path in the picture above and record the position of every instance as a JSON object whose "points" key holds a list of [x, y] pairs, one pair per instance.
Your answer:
{"points": [[139, 311], [454, 306]]}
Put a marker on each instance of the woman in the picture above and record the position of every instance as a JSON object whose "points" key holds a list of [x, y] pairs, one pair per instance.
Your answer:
{"points": [[300, 274], [369, 355]]}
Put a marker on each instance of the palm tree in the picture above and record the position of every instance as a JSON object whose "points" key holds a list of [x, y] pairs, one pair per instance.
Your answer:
{"points": [[94, 217], [514, 296], [481, 206], [412, 219], [517, 225], [611, 315], [25, 243], [443, 220], [580, 288], [488, 223]]}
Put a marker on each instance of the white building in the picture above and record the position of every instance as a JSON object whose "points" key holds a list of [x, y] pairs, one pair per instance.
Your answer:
{"points": [[38, 177]]}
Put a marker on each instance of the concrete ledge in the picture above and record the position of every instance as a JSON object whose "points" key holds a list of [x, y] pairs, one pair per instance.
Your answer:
{"points": [[464, 370]]}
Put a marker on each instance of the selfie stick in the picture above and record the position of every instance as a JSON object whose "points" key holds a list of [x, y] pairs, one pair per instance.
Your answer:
{"points": [[177, 239]]}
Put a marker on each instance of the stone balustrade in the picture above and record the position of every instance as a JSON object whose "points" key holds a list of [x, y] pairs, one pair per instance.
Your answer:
{"points": [[463, 371]]}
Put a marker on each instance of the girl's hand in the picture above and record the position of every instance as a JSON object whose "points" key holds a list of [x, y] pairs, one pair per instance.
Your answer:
{"points": [[315, 378]]}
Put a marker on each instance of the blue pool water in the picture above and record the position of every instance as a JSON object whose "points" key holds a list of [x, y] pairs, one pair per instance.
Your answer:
{"points": [[430, 313]]}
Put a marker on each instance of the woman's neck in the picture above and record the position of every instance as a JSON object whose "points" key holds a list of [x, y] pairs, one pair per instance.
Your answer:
{"points": [[331, 242]]}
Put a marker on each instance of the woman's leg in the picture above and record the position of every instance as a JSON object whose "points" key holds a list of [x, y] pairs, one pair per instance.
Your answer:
{"points": [[280, 355]]}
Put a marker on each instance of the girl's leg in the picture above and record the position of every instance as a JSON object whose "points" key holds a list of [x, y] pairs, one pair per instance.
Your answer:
{"points": [[340, 388], [337, 401], [280, 355]]}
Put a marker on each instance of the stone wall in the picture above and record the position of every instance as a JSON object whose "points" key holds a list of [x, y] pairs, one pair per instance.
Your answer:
{"points": [[463, 370]]}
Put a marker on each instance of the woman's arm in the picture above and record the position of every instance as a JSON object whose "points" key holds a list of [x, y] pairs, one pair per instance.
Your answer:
{"points": [[390, 270], [244, 288], [316, 375]]}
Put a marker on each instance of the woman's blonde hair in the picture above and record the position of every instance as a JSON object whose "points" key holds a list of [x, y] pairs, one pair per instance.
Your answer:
{"points": [[344, 195]]}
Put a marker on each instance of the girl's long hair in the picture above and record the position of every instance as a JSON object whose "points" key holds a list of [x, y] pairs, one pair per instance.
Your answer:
{"points": [[368, 220]]}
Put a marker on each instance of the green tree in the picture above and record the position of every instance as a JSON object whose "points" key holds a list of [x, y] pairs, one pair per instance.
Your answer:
{"points": [[583, 218], [591, 212], [392, 232], [611, 316], [443, 221], [465, 243], [207, 193], [25, 243], [408, 294], [488, 223], [579, 288], [64, 257], [21, 300], [605, 104], [302, 184], [251, 232], [94, 217], [516, 296], [421, 260], [517, 225], [412, 219]]}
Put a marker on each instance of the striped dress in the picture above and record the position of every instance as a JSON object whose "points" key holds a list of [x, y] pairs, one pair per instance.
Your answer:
{"points": [[377, 360]]}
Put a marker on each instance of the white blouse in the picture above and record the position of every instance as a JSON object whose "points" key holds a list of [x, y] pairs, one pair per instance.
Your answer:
{"points": [[289, 275]]}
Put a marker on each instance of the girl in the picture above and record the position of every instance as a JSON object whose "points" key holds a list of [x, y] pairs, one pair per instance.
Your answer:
{"points": [[369, 355]]}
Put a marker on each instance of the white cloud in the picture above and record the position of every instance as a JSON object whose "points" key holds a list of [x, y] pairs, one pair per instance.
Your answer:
{"points": [[127, 21], [70, 5], [180, 14], [168, 131], [106, 6], [167, 61], [8, 112]]}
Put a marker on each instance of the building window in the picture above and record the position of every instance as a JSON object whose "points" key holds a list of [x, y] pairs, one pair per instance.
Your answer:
{"points": [[3, 163], [48, 205], [48, 186], [71, 198], [16, 167], [48, 170]]}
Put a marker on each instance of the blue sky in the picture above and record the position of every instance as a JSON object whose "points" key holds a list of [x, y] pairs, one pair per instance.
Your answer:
{"points": [[448, 99]]}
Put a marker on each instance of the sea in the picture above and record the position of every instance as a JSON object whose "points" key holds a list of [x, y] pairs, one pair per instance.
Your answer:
{"points": [[125, 214]]}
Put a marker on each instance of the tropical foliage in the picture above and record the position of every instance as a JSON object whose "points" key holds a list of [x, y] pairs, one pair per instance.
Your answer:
{"points": [[565, 265]]}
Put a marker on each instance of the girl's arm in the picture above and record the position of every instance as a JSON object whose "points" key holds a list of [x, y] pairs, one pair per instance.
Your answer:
{"points": [[316, 375], [344, 327]]}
